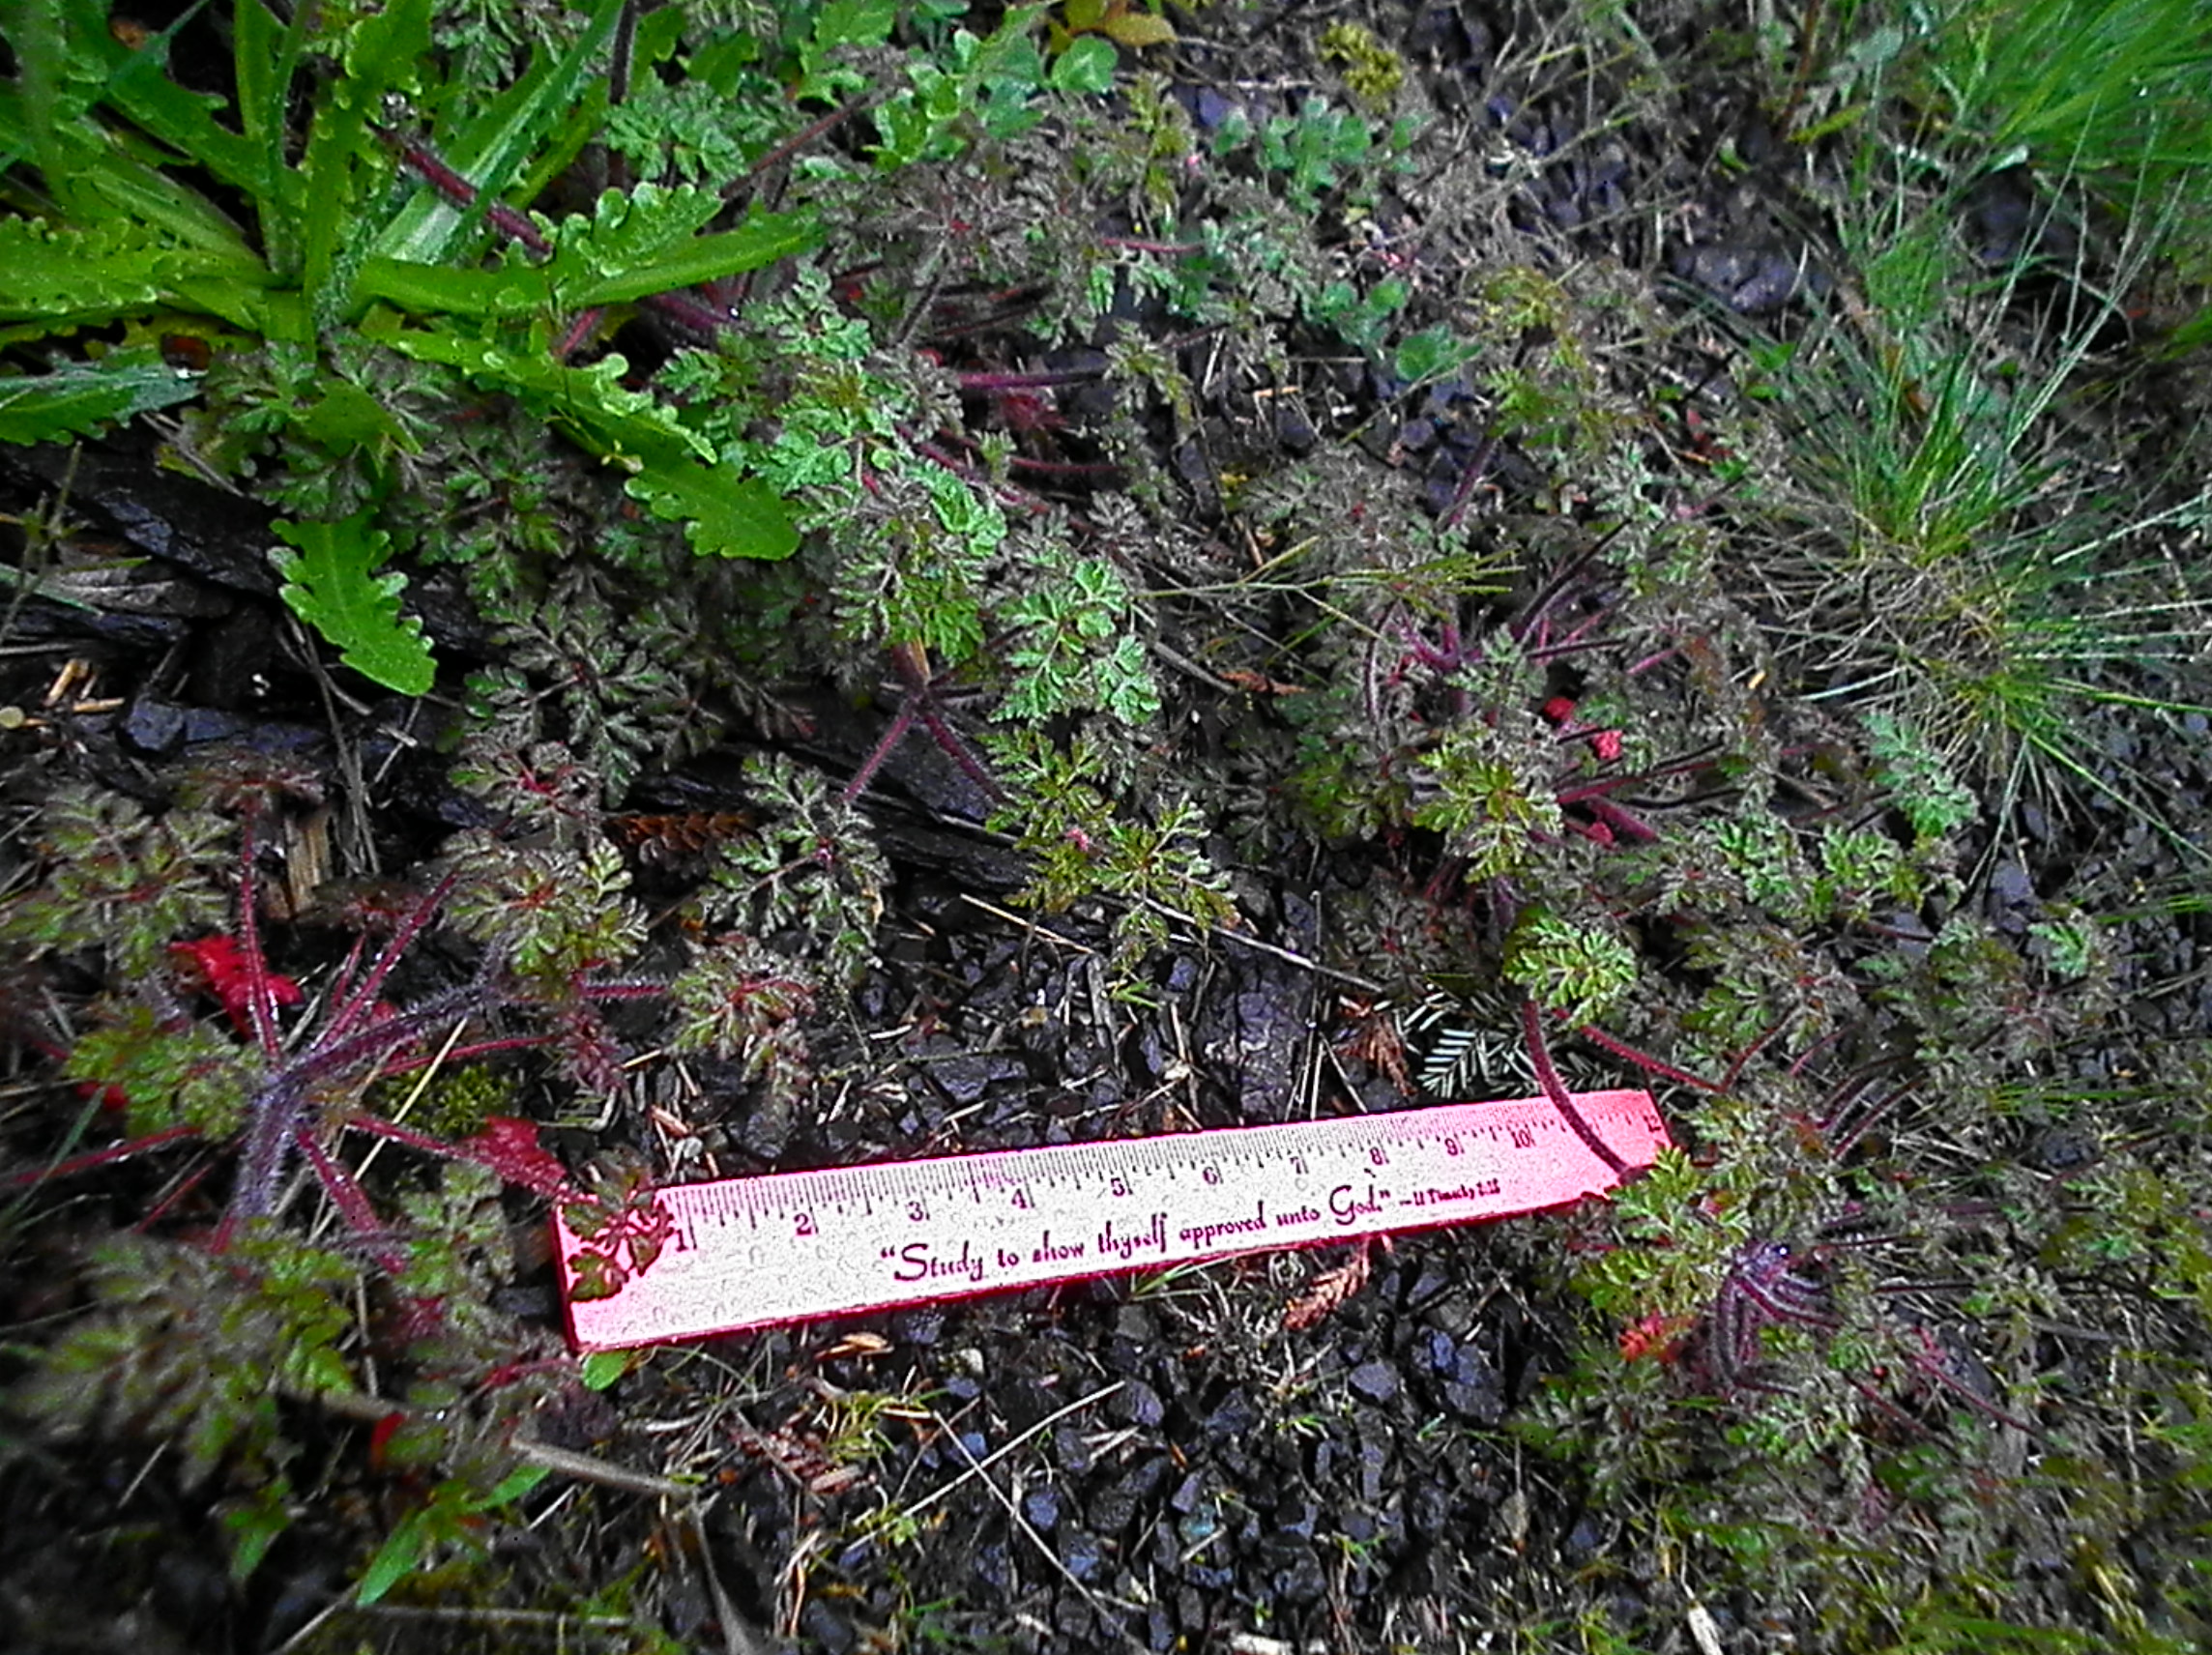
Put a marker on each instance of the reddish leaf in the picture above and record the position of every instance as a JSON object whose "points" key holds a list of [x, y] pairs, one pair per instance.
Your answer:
{"points": [[509, 1147], [380, 1436], [220, 966]]}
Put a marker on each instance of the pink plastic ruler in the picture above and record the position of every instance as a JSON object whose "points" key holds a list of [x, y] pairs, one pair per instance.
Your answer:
{"points": [[795, 1246]]}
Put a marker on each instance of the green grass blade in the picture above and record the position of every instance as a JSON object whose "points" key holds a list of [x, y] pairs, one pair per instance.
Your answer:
{"points": [[493, 149]]}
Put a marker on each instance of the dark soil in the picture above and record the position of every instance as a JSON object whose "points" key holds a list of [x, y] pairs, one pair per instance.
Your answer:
{"points": [[1165, 1464]]}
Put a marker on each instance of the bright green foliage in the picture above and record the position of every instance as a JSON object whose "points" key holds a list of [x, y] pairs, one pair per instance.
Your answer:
{"points": [[81, 399], [1861, 871], [671, 469], [195, 1076], [1576, 971], [1316, 146], [331, 582], [1931, 799], [196, 1349], [1681, 1246], [2109, 89], [990, 80], [1487, 804], [1762, 853], [1154, 872], [121, 881], [2071, 945], [450, 1519], [1074, 650], [1430, 354]]}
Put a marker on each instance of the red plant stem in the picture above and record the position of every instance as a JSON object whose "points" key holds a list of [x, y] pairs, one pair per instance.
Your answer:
{"points": [[1843, 1143], [93, 1159], [378, 1127], [260, 1000], [955, 748], [280, 1106], [345, 1193], [394, 947], [1065, 468], [1555, 1089], [1003, 494], [1644, 1060], [1737, 1068], [1615, 783], [463, 194], [462, 1054], [874, 761], [1038, 381], [791, 146], [277, 1110], [578, 330], [1550, 592], [688, 314], [1478, 467], [182, 1187], [1621, 821]]}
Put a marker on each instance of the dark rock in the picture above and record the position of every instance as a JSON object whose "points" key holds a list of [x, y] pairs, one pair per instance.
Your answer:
{"points": [[1081, 1554], [153, 727], [1114, 1509], [1376, 1381], [1040, 1508], [1234, 1417], [826, 1629], [1136, 1403]]}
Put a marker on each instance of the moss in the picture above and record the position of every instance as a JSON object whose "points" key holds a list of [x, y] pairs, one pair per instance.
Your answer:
{"points": [[1373, 72]]}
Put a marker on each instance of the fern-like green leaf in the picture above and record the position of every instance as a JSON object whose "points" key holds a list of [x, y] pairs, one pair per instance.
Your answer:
{"points": [[331, 582]]}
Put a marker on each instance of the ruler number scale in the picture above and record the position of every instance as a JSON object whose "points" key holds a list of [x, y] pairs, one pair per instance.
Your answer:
{"points": [[788, 1248]]}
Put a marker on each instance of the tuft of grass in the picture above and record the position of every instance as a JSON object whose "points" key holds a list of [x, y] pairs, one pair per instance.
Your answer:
{"points": [[1962, 560], [2107, 91]]}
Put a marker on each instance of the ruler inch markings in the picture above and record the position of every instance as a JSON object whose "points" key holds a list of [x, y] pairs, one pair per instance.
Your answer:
{"points": [[786, 1247]]}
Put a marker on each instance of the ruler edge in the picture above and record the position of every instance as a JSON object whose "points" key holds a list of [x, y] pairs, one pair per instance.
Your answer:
{"points": [[1108, 1273]]}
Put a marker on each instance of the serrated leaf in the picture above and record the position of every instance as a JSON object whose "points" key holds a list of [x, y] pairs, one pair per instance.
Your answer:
{"points": [[855, 22], [617, 423], [725, 514], [79, 399], [1430, 354], [140, 85], [673, 469], [60, 275], [254, 1526], [342, 163], [629, 230], [767, 238], [331, 582]]}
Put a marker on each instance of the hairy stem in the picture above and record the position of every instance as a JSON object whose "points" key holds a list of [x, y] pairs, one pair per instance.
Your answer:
{"points": [[1555, 1089]]}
